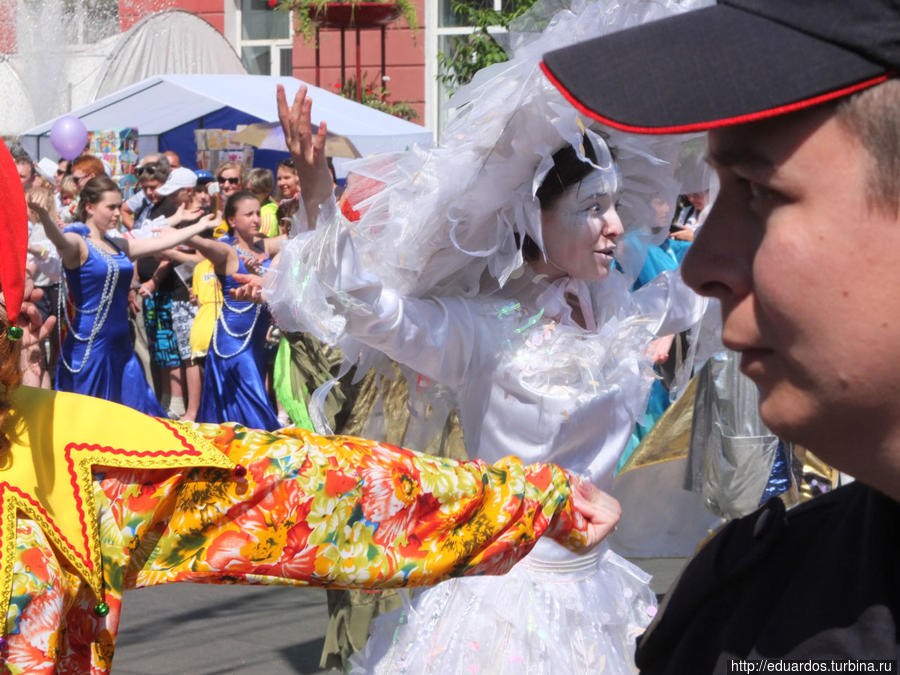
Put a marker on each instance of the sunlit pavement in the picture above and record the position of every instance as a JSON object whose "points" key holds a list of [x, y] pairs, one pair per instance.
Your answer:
{"points": [[201, 629]]}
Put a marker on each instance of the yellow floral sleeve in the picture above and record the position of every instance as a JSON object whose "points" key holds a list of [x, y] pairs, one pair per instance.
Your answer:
{"points": [[297, 509], [346, 512]]}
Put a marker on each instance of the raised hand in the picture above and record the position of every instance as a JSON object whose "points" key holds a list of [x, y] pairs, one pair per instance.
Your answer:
{"points": [[184, 214], [307, 151]]}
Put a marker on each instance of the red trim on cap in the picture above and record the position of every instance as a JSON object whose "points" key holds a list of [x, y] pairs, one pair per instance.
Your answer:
{"points": [[725, 122]]}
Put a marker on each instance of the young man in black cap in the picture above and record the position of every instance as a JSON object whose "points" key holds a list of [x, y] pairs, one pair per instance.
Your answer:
{"points": [[802, 104]]}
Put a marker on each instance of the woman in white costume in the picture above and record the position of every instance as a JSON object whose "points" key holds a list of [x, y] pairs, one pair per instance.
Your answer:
{"points": [[485, 265]]}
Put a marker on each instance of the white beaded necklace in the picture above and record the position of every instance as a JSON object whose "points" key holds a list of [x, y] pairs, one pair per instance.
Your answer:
{"points": [[101, 310], [224, 323], [245, 335]]}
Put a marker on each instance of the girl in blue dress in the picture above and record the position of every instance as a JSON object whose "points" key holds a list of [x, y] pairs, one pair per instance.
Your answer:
{"points": [[234, 387], [97, 357]]}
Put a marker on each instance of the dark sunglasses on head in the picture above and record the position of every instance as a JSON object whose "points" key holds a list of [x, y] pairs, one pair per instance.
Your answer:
{"points": [[149, 169], [233, 181], [287, 162]]}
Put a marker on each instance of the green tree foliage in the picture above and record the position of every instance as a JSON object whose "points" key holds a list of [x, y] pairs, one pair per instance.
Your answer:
{"points": [[467, 54]]}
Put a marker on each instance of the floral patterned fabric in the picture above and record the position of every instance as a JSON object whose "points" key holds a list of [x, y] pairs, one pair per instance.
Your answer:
{"points": [[310, 510]]}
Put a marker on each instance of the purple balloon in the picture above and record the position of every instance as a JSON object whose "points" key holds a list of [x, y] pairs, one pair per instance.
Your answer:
{"points": [[68, 137]]}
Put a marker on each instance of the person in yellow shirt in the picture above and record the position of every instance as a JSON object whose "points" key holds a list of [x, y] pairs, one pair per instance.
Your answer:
{"points": [[206, 293]]}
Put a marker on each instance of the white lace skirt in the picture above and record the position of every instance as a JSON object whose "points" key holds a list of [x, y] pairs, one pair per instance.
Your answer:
{"points": [[573, 616]]}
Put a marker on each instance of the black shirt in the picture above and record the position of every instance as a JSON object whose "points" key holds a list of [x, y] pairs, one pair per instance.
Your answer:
{"points": [[815, 582]]}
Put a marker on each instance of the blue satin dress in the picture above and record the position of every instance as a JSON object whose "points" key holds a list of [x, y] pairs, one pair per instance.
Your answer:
{"points": [[97, 357], [234, 388]]}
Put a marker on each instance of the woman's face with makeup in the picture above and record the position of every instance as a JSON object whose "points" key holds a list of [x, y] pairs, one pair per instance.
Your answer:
{"points": [[580, 229]]}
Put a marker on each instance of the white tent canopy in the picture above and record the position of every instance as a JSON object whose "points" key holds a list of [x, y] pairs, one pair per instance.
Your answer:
{"points": [[161, 103]]}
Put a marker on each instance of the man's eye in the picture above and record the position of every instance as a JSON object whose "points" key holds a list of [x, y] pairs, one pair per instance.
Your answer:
{"points": [[760, 192]]}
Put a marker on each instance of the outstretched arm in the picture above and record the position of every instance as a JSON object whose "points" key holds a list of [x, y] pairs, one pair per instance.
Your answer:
{"points": [[140, 248], [347, 512], [297, 509], [222, 256]]}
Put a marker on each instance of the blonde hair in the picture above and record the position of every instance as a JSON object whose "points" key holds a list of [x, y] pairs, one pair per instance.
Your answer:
{"points": [[68, 184], [260, 181], [224, 166], [42, 196]]}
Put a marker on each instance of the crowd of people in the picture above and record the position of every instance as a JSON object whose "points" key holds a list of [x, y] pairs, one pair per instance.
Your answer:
{"points": [[520, 276], [141, 314], [152, 305]]}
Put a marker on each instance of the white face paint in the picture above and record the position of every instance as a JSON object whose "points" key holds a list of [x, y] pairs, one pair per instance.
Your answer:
{"points": [[580, 229]]}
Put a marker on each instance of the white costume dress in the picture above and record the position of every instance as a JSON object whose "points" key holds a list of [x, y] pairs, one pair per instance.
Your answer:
{"points": [[431, 274], [522, 389]]}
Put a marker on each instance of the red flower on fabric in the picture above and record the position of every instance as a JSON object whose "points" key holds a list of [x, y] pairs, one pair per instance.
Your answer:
{"points": [[338, 483], [273, 530], [146, 499], [392, 494], [541, 478], [35, 561], [34, 647]]}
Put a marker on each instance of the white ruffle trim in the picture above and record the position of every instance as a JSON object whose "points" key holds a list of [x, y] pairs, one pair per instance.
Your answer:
{"points": [[531, 620]]}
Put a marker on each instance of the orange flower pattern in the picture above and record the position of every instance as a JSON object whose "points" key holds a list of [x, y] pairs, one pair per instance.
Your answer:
{"points": [[310, 510]]}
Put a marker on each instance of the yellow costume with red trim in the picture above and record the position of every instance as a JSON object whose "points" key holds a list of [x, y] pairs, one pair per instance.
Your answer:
{"points": [[97, 498]]}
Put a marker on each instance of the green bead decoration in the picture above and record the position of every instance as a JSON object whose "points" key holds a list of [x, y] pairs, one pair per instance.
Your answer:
{"points": [[101, 609], [14, 333]]}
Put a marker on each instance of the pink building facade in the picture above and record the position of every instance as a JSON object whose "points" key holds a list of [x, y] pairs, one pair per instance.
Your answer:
{"points": [[263, 38]]}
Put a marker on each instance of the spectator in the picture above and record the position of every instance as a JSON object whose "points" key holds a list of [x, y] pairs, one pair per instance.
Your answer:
{"points": [[285, 215], [63, 169], [202, 193], [168, 312], [66, 199], [287, 181], [25, 165], [174, 159], [43, 265], [230, 176], [260, 182], [152, 172], [86, 167]]}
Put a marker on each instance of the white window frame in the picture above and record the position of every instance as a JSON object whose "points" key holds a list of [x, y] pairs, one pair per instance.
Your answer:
{"points": [[434, 93], [233, 25]]}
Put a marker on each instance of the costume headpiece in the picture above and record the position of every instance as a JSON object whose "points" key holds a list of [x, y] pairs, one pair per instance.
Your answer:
{"points": [[451, 220], [446, 220]]}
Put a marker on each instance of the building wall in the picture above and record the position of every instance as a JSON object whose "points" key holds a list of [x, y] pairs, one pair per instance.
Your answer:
{"points": [[404, 59], [404, 50], [212, 11]]}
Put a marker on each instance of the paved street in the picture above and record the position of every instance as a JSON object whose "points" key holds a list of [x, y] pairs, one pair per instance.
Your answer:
{"points": [[199, 629], [202, 629]]}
